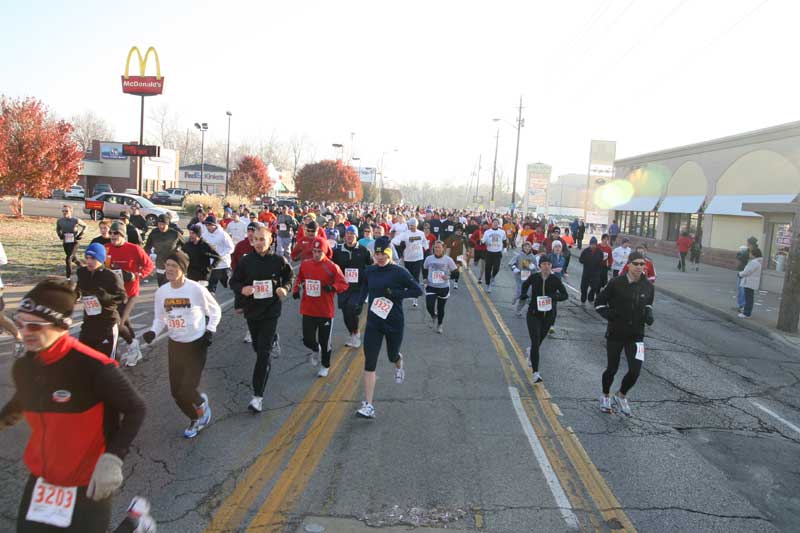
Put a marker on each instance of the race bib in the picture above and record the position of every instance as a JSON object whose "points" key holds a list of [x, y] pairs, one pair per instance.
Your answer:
{"points": [[351, 275], [381, 307], [450, 229], [69, 238], [415, 248], [439, 276], [332, 243], [263, 289], [176, 321], [313, 287], [524, 274], [544, 303], [460, 259], [282, 227], [91, 305], [51, 504], [640, 351]]}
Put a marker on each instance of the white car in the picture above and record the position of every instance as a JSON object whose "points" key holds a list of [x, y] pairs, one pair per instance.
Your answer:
{"points": [[75, 192]]}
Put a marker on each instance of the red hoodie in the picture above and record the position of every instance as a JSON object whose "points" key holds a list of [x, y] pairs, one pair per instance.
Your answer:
{"points": [[242, 248], [129, 258], [314, 276], [607, 250], [475, 239], [684, 244], [302, 249]]}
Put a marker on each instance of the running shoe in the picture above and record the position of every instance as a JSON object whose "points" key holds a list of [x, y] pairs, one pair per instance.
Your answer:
{"points": [[276, 346], [366, 411], [440, 329], [205, 418], [432, 323], [247, 338], [356, 342], [622, 405], [193, 429], [455, 284], [255, 404], [605, 404], [489, 289], [400, 373], [742, 315], [323, 372], [313, 358], [537, 378], [416, 303], [134, 354], [528, 357]]}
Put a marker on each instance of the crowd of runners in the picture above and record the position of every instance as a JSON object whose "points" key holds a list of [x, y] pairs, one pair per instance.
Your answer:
{"points": [[328, 256]]}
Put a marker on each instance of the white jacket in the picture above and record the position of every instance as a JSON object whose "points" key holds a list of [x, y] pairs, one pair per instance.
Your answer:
{"points": [[222, 243], [416, 244], [751, 275], [620, 256]]}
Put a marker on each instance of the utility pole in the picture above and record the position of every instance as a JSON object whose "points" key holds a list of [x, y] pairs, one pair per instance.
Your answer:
{"points": [[228, 153], [494, 165], [520, 124]]}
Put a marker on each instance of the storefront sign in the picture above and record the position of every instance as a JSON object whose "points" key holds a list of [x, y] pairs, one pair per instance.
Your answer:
{"points": [[142, 85]]}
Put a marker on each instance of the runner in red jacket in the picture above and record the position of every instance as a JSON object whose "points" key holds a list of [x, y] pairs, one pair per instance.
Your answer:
{"points": [[302, 250], [480, 248], [320, 278]]}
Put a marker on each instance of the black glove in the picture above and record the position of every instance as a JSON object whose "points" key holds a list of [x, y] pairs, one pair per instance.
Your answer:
{"points": [[648, 316], [207, 337], [127, 276], [603, 311], [148, 337], [329, 288], [296, 295], [387, 292]]}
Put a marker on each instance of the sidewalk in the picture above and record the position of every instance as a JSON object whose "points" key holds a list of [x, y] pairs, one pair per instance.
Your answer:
{"points": [[713, 289]]}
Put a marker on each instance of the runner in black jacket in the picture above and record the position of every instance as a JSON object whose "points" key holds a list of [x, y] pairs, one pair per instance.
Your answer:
{"points": [[202, 256], [627, 303], [83, 415], [352, 259]]}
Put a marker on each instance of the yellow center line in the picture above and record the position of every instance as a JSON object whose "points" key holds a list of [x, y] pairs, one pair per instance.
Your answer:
{"points": [[596, 485], [235, 507]]}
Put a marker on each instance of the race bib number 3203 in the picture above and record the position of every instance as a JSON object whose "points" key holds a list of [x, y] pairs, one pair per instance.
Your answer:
{"points": [[51, 504]]}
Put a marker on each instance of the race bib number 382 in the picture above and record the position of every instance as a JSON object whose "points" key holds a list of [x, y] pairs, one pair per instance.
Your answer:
{"points": [[262, 289], [51, 504]]}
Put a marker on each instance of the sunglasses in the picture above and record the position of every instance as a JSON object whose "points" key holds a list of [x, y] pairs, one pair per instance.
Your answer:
{"points": [[115, 232], [638, 263], [30, 325]]}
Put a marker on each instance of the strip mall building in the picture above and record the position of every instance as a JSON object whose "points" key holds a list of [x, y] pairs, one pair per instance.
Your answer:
{"points": [[701, 188]]}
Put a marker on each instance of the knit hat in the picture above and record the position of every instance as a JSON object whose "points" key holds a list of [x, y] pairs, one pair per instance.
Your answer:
{"points": [[634, 256], [210, 220], [557, 243], [412, 222], [197, 229], [318, 243], [52, 300], [593, 240], [163, 218], [351, 229], [119, 227], [97, 251], [383, 246], [181, 258], [254, 225]]}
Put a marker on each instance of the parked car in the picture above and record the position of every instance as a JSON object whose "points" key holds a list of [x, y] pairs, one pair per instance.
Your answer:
{"points": [[130, 191], [161, 197], [75, 192], [100, 188], [57, 194], [110, 205]]}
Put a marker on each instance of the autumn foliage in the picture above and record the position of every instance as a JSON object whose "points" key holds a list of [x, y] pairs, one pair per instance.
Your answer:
{"points": [[251, 179], [37, 152], [329, 181]]}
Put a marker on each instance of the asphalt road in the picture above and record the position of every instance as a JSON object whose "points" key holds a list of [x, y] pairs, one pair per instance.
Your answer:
{"points": [[46, 208], [468, 442]]}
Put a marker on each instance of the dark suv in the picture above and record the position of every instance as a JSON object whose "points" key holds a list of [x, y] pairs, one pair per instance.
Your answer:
{"points": [[101, 188]]}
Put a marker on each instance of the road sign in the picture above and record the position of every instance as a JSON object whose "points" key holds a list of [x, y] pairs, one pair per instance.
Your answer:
{"points": [[141, 150]]}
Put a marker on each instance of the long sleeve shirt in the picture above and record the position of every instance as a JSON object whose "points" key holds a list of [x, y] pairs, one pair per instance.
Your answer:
{"points": [[415, 245], [164, 243], [394, 283], [320, 280], [129, 262], [183, 311], [222, 243], [271, 272]]}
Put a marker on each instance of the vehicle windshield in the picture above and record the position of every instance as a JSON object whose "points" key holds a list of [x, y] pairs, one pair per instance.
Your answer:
{"points": [[144, 202]]}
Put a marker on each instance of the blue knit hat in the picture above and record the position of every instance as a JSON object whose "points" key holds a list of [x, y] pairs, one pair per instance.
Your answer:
{"points": [[96, 250], [351, 229]]}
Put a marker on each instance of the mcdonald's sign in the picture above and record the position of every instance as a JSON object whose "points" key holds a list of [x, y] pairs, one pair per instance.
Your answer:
{"points": [[142, 85]]}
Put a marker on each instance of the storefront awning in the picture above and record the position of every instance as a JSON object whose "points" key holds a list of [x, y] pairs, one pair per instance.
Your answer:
{"points": [[639, 203], [732, 204], [681, 204]]}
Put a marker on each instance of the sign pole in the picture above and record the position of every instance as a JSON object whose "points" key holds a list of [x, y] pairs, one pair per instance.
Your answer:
{"points": [[141, 141]]}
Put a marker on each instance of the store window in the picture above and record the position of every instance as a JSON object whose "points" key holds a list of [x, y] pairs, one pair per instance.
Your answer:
{"points": [[679, 222], [779, 243], [639, 223]]}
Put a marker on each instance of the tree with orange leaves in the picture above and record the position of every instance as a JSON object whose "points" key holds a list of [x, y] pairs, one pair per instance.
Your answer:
{"points": [[251, 178], [329, 181]]}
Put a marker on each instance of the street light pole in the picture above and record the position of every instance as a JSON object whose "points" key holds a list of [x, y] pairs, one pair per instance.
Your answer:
{"points": [[340, 147], [228, 153], [520, 123], [494, 165], [203, 127]]}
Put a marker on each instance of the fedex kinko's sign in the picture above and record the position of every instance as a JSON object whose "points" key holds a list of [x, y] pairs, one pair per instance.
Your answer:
{"points": [[142, 85]]}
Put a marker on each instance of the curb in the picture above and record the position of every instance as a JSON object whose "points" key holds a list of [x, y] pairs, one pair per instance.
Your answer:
{"points": [[764, 331]]}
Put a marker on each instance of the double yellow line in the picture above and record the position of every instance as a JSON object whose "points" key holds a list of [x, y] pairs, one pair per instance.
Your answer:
{"points": [[329, 405], [582, 482]]}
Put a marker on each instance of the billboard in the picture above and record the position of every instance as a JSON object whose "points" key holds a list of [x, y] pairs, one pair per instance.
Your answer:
{"points": [[601, 171], [112, 151], [368, 174], [536, 189]]}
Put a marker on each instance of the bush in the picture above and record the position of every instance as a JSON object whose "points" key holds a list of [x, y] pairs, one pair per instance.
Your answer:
{"points": [[235, 200], [191, 201]]}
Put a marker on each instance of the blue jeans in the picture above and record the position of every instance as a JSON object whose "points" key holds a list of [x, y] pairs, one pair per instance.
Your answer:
{"points": [[740, 292]]}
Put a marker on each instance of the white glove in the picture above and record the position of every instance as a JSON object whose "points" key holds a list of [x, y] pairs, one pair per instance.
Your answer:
{"points": [[515, 270], [106, 478]]}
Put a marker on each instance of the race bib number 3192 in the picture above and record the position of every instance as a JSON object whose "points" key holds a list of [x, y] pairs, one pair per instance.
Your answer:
{"points": [[51, 504]]}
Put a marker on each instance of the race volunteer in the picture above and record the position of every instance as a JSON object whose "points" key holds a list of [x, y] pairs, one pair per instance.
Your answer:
{"points": [[320, 278], [191, 315], [222, 243], [260, 281], [83, 414], [627, 303], [495, 240], [415, 243], [69, 230], [546, 291], [162, 243], [386, 285], [130, 263], [102, 293], [352, 258], [437, 269], [202, 257]]}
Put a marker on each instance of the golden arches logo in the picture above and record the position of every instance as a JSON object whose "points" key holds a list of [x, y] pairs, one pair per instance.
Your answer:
{"points": [[143, 61]]}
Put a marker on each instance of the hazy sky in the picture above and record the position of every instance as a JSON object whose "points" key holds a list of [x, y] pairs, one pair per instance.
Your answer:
{"points": [[424, 77]]}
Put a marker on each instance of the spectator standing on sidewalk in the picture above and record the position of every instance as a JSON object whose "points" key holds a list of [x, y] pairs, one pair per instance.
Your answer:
{"points": [[751, 281], [613, 231], [683, 244], [696, 249], [580, 233], [742, 257]]}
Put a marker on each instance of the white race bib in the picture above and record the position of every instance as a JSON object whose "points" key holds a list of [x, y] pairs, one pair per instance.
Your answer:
{"points": [[282, 227], [91, 305], [51, 504], [524, 274], [351, 275], [439, 276], [262, 289], [495, 239], [640, 351], [381, 307], [313, 287], [69, 238], [544, 303], [460, 259], [176, 321], [450, 229]]}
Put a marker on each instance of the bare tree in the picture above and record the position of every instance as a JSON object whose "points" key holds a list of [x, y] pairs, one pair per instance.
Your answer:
{"points": [[88, 127], [300, 151]]}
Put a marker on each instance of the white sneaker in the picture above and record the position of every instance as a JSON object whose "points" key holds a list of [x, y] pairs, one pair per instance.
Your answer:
{"points": [[356, 341], [537, 378], [489, 289], [400, 373], [134, 354], [432, 323], [605, 404], [528, 353], [313, 359], [455, 284], [440, 329], [323, 372], [366, 411], [742, 315], [255, 404], [248, 338], [416, 303]]}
